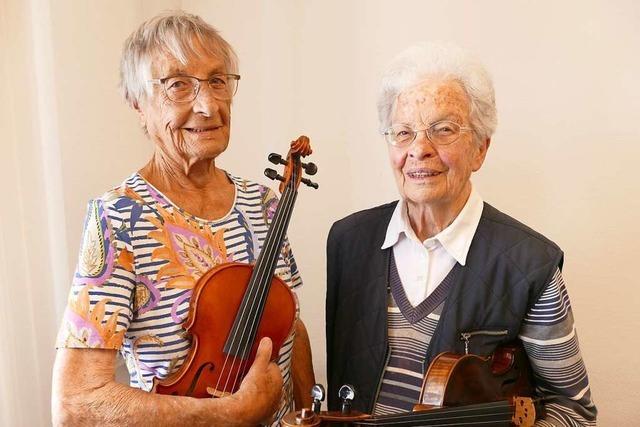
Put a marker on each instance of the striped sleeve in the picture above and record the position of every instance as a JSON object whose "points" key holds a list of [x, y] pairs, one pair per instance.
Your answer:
{"points": [[549, 337]]}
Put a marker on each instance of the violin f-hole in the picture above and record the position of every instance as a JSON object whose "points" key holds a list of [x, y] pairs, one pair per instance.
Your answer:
{"points": [[196, 377]]}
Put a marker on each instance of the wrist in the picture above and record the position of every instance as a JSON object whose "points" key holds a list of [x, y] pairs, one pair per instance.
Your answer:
{"points": [[231, 411]]}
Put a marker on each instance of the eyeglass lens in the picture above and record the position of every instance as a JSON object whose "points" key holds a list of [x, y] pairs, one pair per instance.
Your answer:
{"points": [[441, 133], [185, 88]]}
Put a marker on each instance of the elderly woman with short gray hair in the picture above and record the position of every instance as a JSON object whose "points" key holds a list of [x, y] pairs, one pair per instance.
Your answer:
{"points": [[441, 270], [148, 240]]}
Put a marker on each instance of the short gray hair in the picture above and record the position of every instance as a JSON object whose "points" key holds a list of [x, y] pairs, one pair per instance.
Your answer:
{"points": [[448, 61], [171, 33]]}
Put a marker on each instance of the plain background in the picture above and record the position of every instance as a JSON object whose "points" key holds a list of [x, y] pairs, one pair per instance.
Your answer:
{"points": [[563, 160]]}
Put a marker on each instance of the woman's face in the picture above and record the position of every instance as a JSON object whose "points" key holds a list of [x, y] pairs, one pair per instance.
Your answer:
{"points": [[191, 131], [428, 174]]}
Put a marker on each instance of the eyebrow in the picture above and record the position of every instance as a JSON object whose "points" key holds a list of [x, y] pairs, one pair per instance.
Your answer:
{"points": [[178, 71], [449, 116], [453, 117]]}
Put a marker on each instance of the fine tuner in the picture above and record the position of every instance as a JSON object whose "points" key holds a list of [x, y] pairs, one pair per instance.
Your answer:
{"points": [[346, 393]]}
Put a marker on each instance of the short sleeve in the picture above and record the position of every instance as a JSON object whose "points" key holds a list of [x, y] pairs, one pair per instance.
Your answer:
{"points": [[99, 307]]}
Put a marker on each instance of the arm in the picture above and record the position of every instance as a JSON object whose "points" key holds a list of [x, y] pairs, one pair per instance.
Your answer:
{"points": [[550, 340], [85, 393], [302, 368]]}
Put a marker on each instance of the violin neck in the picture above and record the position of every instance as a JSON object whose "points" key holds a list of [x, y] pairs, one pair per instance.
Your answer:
{"points": [[268, 257], [516, 411], [250, 312]]}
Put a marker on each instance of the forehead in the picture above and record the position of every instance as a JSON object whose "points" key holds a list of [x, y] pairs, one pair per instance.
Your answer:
{"points": [[432, 99], [199, 62]]}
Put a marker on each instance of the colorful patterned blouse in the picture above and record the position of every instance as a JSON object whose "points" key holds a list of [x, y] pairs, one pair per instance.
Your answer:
{"points": [[140, 258]]}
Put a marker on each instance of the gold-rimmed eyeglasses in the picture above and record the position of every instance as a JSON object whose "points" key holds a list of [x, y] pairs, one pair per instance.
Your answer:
{"points": [[186, 88]]}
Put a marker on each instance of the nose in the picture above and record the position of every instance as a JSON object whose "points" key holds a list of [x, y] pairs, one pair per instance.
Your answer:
{"points": [[421, 147], [205, 103]]}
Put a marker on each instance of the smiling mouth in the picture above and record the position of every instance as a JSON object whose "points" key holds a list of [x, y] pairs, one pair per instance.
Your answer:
{"points": [[202, 130], [422, 173]]}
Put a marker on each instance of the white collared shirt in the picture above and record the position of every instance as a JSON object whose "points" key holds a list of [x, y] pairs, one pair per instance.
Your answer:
{"points": [[423, 265]]}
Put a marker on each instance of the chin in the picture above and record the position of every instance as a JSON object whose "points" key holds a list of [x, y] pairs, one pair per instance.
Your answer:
{"points": [[424, 197], [209, 145]]}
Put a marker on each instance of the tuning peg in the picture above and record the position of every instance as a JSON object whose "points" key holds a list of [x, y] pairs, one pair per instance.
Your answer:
{"points": [[271, 174], [309, 183], [346, 394], [318, 394], [310, 168], [276, 159]]}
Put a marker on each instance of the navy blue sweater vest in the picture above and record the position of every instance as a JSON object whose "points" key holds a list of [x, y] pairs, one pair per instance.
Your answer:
{"points": [[508, 266]]}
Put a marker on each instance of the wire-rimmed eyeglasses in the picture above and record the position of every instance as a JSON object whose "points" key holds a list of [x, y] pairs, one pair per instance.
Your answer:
{"points": [[186, 88], [443, 132]]}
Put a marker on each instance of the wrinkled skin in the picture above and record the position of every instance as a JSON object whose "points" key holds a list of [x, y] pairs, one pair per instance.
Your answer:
{"points": [[434, 180]]}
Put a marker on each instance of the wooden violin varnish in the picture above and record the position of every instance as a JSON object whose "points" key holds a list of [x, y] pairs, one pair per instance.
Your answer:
{"points": [[235, 305]]}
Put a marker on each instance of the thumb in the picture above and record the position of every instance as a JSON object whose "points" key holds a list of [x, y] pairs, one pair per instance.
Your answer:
{"points": [[263, 354]]}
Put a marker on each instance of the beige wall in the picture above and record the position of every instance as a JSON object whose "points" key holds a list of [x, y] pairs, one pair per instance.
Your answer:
{"points": [[563, 159]]}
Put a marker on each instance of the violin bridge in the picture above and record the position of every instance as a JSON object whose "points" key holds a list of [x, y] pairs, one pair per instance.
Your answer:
{"points": [[216, 393], [524, 413]]}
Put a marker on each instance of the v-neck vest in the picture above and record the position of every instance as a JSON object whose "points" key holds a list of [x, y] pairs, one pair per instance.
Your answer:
{"points": [[409, 331]]}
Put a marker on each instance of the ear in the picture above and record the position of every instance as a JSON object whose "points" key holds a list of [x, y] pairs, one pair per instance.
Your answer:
{"points": [[141, 115], [480, 155]]}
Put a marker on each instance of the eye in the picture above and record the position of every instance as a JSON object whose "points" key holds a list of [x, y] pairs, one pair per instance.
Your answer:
{"points": [[218, 81], [400, 131], [177, 84], [444, 129]]}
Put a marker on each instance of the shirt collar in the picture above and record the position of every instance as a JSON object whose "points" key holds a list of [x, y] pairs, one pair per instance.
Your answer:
{"points": [[456, 238]]}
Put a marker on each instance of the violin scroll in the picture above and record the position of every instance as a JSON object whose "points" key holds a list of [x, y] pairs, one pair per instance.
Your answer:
{"points": [[292, 176]]}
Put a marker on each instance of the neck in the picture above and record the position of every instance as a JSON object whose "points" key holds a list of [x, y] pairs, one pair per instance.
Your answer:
{"points": [[427, 220], [169, 175]]}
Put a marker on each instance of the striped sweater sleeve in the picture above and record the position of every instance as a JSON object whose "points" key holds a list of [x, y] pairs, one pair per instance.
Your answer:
{"points": [[549, 337]]}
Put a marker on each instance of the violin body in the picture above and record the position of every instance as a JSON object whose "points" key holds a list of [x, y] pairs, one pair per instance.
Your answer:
{"points": [[461, 390], [464, 379], [233, 306], [208, 370]]}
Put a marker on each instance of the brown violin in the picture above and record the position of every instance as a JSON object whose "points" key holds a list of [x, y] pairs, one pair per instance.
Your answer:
{"points": [[458, 390], [235, 305]]}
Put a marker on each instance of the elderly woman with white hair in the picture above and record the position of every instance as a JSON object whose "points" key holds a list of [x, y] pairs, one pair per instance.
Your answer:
{"points": [[148, 241], [441, 270]]}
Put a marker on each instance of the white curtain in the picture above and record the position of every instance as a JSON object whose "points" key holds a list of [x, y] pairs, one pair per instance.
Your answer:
{"points": [[33, 251]]}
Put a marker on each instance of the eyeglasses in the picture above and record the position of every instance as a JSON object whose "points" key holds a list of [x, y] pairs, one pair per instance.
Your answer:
{"points": [[443, 132], [186, 88]]}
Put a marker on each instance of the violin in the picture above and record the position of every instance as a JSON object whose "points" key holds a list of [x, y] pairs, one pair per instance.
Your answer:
{"points": [[235, 305], [457, 390]]}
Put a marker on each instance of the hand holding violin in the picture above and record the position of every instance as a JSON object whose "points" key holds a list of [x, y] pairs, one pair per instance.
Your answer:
{"points": [[259, 394]]}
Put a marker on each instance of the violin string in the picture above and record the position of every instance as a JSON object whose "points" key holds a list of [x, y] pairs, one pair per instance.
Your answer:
{"points": [[264, 275], [442, 417], [265, 272], [235, 334], [253, 293], [242, 315], [446, 424], [447, 421], [503, 404]]}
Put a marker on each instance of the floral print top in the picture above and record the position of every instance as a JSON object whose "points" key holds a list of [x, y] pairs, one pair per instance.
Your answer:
{"points": [[140, 258]]}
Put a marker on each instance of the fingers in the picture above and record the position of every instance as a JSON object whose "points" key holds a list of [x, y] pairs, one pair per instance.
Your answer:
{"points": [[263, 354], [261, 388]]}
